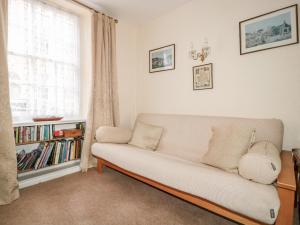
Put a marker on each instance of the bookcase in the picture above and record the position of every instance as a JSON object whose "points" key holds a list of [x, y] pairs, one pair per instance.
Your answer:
{"points": [[41, 148]]}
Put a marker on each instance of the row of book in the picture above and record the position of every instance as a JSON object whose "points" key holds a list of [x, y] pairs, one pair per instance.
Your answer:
{"points": [[49, 153], [27, 134], [33, 133]]}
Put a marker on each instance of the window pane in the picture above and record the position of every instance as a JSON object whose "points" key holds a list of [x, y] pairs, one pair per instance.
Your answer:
{"points": [[43, 60]]}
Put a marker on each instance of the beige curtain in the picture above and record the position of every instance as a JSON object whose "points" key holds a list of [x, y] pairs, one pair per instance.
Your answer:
{"points": [[8, 166], [104, 105]]}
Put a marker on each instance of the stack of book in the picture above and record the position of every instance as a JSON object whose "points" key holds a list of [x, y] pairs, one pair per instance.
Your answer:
{"points": [[27, 134], [50, 153], [26, 161]]}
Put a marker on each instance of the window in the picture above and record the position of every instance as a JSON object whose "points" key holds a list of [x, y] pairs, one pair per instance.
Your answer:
{"points": [[43, 60]]}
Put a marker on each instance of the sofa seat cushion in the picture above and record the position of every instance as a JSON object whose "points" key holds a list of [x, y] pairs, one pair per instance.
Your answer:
{"points": [[229, 190]]}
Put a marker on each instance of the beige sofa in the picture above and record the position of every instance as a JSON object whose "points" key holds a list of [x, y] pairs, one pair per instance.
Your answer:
{"points": [[176, 167]]}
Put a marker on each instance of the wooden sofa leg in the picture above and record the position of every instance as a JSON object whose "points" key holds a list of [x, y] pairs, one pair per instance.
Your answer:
{"points": [[100, 165], [286, 211]]}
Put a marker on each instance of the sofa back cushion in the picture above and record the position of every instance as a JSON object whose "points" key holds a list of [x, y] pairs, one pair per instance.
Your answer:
{"points": [[187, 136]]}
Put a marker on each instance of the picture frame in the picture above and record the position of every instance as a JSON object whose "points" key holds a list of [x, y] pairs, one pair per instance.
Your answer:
{"points": [[203, 77], [271, 30], [162, 59]]}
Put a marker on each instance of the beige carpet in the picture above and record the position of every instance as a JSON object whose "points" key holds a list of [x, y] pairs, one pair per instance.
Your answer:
{"points": [[108, 199]]}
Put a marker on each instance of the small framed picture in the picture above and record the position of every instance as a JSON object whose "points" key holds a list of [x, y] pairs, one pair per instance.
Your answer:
{"points": [[202, 77], [270, 30], [161, 59]]}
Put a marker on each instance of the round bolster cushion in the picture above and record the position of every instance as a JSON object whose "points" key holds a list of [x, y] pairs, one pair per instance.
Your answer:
{"points": [[261, 164], [117, 135]]}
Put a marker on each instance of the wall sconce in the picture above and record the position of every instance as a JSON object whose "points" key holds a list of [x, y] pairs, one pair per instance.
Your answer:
{"points": [[201, 54]]}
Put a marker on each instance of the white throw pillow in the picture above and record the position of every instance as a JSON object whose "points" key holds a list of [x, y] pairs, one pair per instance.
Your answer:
{"points": [[227, 145], [146, 136], [117, 135], [261, 164]]}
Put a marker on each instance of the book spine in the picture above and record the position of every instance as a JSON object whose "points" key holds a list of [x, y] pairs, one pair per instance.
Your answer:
{"points": [[35, 133], [38, 163], [70, 151], [41, 133], [20, 134], [67, 151], [73, 151], [41, 164], [80, 148], [57, 153], [28, 134], [61, 152], [49, 152], [64, 158], [52, 157], [32, 134], [38, 133], [51, 131], [45, 133], [76, 149], [15, 135], [23, 134]]}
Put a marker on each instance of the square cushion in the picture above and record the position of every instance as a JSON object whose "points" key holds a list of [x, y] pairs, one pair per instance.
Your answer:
{"points": [[227, 145], [146, 136]]}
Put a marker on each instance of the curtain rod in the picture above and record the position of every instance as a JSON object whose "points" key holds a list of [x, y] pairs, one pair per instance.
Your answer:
{"points": [[90, 8]]}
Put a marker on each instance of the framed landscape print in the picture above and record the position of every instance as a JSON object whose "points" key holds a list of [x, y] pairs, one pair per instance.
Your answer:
{"points": [[202, 77], [271, 30], [162, 59]]}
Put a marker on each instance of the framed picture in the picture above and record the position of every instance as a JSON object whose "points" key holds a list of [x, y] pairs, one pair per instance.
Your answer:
{"points": [[270, 30], [161, 59], [202, 77]]}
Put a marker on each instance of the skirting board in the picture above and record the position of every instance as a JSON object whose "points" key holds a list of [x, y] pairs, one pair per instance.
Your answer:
{"points": [[48, 176]]}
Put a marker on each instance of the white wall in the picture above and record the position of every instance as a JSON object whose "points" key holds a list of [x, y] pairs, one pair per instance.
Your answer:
{"points": [[126, 70], [258, 85]]}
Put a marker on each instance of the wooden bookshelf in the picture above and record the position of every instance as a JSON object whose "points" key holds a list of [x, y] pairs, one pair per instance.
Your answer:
{"points": [[39, 151]]}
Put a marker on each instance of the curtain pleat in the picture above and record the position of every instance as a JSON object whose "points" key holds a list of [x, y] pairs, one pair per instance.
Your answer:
{"points": [[9, 190], [104, 105]]}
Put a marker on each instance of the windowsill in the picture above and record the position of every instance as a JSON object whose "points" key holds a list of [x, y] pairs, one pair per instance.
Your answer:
{"points": [[63, 121]]}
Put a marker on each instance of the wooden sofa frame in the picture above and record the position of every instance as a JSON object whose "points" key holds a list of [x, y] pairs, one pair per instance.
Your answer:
{"points": [[286, 187]]}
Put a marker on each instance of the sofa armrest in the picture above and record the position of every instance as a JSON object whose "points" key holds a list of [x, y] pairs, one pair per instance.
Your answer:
{"points": [[286, 178], [286, 187]]}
